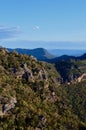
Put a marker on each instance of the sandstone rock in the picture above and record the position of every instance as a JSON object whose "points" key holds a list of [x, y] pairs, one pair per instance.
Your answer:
{"points": [[8, 105]]}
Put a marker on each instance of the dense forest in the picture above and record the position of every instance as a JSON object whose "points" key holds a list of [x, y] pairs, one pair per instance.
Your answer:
{"points": [[32, 96]]}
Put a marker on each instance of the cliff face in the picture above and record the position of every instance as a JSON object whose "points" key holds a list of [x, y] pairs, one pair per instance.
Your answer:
{"points": [[24, 69], [31, 97], [72, 71]]}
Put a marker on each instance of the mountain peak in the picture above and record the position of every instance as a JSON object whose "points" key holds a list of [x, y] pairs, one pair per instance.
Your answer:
{"points": [[39, 53]]}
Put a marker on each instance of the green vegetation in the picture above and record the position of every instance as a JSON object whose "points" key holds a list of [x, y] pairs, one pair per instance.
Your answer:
{"points": [[39, 53], [32, 99], [70, 70]]}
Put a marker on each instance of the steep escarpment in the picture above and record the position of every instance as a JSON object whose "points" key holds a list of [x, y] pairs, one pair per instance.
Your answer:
{"points": [[31, 97], [25, 85], [72, 71]]}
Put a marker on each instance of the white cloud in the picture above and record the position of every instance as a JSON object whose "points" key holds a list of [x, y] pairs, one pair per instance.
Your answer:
{"points": [[36, 27], [9, 32]]}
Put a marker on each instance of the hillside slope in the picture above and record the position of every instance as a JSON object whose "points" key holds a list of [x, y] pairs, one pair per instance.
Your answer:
{"points": [[39, 53], [32, 99]]}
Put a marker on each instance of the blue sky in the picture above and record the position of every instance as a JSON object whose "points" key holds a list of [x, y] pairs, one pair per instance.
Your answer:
{"points": [[51, 23]]}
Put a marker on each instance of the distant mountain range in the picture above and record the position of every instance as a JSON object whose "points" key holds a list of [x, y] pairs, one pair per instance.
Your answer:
{"points": [[43, 55], [66, 58], [83, 57], [69, 52], [39, 53]]}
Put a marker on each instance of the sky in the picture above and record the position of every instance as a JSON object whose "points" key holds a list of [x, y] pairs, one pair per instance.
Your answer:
{"points": [[43, 23]]}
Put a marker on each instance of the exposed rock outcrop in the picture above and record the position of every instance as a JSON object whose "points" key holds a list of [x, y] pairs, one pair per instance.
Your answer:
{"points": [[7, 104], [29, 74], [82, 77], [42, 74]]}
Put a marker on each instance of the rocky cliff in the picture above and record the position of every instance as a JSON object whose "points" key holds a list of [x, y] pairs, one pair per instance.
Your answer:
{"points": [[32, 98]]}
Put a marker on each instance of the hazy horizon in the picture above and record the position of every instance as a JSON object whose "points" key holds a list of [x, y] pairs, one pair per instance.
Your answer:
{"points": [[44, 44], [49, 24], [63, 45]]}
